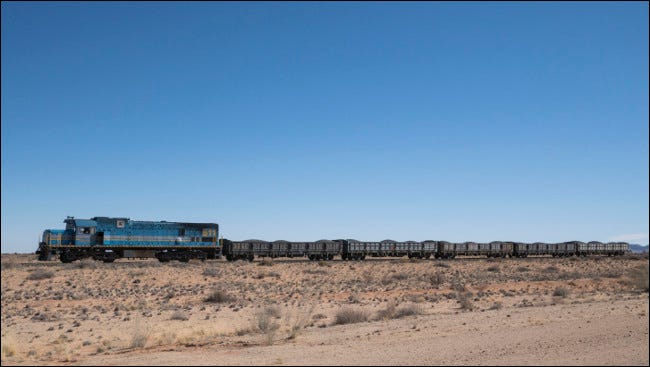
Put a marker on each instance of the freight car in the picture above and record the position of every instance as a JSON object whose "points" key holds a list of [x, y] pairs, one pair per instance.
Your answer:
{"points": [[107, 239], [351, 249], [249, 249]]}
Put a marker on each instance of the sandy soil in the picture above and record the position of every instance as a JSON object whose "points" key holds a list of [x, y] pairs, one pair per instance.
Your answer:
{"points": [[535, 311]]}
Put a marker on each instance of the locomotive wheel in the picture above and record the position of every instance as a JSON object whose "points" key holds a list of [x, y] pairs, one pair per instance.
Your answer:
{"points": [[66, 257]]}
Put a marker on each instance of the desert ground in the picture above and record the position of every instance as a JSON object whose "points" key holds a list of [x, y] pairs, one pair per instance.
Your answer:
{"points": [[471, 311]]}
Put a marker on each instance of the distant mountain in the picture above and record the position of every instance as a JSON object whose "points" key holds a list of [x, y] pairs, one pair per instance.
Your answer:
{"points": [[638, 248]]}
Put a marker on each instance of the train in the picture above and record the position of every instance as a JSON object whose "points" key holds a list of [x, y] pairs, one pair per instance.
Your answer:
{"points": [[107, 239]]}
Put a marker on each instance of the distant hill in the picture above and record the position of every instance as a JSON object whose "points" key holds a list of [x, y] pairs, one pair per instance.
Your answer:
{"points": [[638, 248]]}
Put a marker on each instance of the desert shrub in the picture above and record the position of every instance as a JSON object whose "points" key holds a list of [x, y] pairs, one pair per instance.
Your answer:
{"points": [[354, 298], [458, 285], [42, 316], [39, 274], [496, 306], [436, 279], [639, 278], [561, 292], [137, 273], [87, 264], [394, 277], [298, 321], [316, 271], [273, 311], [264, 322], [612, 274], [416, 298], [265, 274], [166, 338], [465, 300], [266, 262], [8, 264], [551, 269], [179, 315], [140, 337], [566, 275], [350, 316], [211, 272], [219, 296], [273, 274], [244, 331], [388, 312], [408, 310], [264, 319]]}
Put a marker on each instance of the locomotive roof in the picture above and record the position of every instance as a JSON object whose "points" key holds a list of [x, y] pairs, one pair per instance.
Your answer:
{"points": [[111, 219], [84, 223]]}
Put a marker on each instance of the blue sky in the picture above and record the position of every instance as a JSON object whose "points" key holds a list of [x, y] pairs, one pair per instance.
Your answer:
{"points": [[301, 121]]}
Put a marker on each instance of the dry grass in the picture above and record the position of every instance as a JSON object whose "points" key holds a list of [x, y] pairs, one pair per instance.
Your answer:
{"points": [[298, 320], [388, 312], [639, 278], [391, 311], [139, 337], [349, 315], [8, 348], [265, 323], [166, 338]]}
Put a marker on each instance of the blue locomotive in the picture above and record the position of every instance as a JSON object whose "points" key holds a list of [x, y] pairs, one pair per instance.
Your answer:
{"points": [[107, 239]]}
